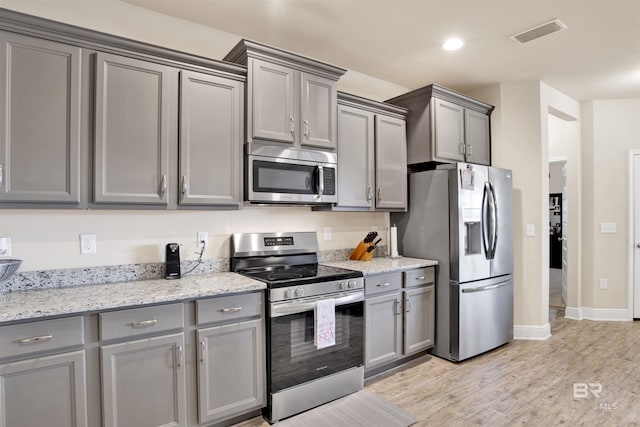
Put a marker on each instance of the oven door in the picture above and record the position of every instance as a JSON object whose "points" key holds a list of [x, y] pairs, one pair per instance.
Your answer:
{"points": [[282, 180], [293, 357]]}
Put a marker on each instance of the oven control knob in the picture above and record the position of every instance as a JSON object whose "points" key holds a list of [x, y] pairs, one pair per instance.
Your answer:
{"points": [[288, 293], [342, 286], [352, 284], [299, 292]]}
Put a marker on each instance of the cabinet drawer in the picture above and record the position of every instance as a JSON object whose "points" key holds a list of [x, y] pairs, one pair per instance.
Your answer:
{"points": [[229, 307], [45, 335], [382, 283], [141, 321], [420, 276]]}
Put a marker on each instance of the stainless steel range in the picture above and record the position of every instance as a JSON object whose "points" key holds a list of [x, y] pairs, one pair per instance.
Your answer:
{"points": [[301, 374]]}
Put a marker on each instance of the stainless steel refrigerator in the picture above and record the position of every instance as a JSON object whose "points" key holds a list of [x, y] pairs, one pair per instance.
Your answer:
{"points": [[462, 216]]}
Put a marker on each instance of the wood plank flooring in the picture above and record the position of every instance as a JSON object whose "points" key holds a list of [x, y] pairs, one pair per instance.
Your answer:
{"points": [[526, 382]]}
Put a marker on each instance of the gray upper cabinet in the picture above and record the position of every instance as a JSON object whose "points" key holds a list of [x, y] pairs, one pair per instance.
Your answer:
{"points": [[391, 163], [40, 120], [132, 130], [290, 98], [210, 140], [372, 165], [356, 146], [445, 126]]}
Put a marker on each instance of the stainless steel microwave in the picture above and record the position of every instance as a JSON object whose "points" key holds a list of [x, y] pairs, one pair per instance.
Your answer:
{"points": [[289, 175]]}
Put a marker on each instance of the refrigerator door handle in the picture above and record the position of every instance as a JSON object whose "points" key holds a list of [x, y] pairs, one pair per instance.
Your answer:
{"points": [[493, 204], [485, 288], [485, 220]]}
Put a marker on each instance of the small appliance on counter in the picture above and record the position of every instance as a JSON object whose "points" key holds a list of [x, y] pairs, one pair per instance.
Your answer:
{"points": [[172, 261]]}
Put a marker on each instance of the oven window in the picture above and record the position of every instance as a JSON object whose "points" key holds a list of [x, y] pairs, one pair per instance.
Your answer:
{"points": [[294, 357], [276, 177]]}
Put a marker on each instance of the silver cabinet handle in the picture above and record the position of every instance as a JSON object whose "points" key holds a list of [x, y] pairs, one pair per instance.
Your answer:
{"points": [[1, 175], [469, 150], [306, 129], [398, 311], [163, 184], [292, 129], [461, 147], [184, 184], [380, 193], [383, 285], [143, 323], [407, 304], [180, 356], [231, 309], [370, 193], [35, 339], [420, 278], [203, 351]]}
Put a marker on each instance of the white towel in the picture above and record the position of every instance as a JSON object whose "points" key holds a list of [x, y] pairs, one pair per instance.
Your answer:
{"points": [[325, 323]]}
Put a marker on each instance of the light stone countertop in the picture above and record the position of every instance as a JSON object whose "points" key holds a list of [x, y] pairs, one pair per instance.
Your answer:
{"points": [[383, 265], [40, 303]]}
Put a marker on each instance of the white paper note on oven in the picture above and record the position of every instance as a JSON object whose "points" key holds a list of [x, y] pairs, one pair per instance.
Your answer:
{"points": [[325, 323]]}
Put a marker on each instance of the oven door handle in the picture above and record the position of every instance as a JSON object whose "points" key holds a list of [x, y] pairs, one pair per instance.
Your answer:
{"points": [[284, 309]]}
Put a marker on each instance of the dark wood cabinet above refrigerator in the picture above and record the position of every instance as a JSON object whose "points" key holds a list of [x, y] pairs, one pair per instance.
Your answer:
{"points": [[445, 126]]}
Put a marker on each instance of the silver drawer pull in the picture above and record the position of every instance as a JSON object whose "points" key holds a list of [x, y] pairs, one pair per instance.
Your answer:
{"points": [[383, 285], [231, 309], [35, 339], [144, 323], [420, 278]]}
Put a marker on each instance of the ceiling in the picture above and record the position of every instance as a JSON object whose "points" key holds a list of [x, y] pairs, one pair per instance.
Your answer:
{"points": [[596, 57]]}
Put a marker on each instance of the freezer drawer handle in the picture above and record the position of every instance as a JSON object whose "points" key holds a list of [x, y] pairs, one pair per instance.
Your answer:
{"points": [[485, 288]]}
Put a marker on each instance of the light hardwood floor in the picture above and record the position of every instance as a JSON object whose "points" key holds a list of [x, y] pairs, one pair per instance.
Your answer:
{"points": [[526, 382]]}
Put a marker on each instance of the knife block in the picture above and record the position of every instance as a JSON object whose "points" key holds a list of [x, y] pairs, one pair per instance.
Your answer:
{"points": [[360, 253]]}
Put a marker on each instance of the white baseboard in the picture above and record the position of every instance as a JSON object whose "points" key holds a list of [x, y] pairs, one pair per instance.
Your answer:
{"points": [[602, 314], [531, 332]]}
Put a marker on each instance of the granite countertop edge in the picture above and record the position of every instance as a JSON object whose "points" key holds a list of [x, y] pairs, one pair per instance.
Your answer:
{"points": [[383, 265], [82, 299], [38, 304]]}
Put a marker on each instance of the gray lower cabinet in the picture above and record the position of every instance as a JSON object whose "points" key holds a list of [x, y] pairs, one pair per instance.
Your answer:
{"points": [[399, 315], [211, 124], [133, 119], [230, 370], [372, 163], [144, 382], [40, 120], [446, 126], [44, 391]]}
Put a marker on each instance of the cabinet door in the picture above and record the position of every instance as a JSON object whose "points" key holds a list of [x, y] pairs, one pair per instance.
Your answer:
{"points": [[45, 391], [132, 115], [391, 163], [143, 382], [272, 105], [478, 137], [383, 336], [418, 319], [318, 111], [448, 128], [210, 140], [40, 120], [231, 371], [356, 157]]}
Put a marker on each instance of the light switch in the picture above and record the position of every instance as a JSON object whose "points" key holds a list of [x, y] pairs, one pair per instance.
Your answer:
{"points": [[531, 230], [5, 246]]}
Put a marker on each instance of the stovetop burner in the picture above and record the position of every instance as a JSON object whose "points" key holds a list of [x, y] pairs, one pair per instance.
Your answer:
{"points": [[285, 275]]}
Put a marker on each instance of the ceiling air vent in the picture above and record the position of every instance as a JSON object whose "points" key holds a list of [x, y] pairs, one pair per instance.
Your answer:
{"points": [[539, 31]]}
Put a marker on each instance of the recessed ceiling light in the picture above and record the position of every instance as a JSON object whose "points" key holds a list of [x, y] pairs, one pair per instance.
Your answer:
{"points": [[453, 43]]}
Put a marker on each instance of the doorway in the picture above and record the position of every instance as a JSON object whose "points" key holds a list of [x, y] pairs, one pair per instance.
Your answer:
{"points": [[558, 227], [634, 235]]}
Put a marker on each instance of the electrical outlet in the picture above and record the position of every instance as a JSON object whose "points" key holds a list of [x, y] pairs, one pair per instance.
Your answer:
{"points": [[327, 233], [5, 246], [203, 239], [374, 228], [604, 284], [88, 244], [531, 230]]}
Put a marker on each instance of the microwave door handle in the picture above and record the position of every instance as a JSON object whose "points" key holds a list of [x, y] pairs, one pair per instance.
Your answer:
{"points": [[320, 186]]}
